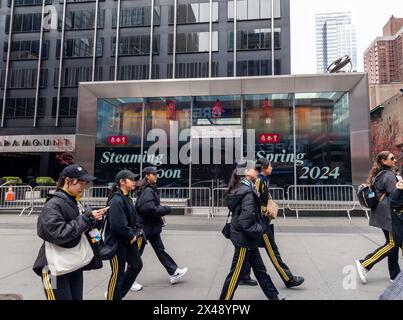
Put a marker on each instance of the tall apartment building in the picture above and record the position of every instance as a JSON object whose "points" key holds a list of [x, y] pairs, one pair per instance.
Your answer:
{"points": [[49, 46], [383, 60], [335, 37]]}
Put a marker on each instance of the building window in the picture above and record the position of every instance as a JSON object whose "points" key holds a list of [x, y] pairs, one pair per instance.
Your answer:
{"points": [[73, 75], [26, 78], [193, 42], [134, 72], [29, 22], [135, 45], [26, 50], [80, 48], [82, 19], [20, 3], [253, 68], [24, 107], [136, 17], [192, 70], [256, 39], [67, 107], [68, 1], [193, 13], [254, 9]]}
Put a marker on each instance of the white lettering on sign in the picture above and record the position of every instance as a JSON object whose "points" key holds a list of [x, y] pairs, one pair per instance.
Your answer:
{"points": [[38, 143]]}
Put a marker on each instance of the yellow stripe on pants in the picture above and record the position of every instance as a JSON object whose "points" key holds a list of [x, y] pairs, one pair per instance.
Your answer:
{"points": [[112, 281], [273, 257], [139, 242], [235, 276], [381, 252]]}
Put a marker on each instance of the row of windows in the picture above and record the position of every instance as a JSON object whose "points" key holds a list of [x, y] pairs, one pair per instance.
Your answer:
{"points": [[82, 19], [193, 42], [24, 78], [141, 16], [135, 45], [21, 3], [254, 9], [72, 76], [253, 68], [23, 107], [26, 50], [255, 39], [80, 48], [192, 70], [136, 17], [193, 13], [67, 107]]}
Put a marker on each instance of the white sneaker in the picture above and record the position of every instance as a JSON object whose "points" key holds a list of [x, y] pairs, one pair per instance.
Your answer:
{"points": [[179, 273], [362, 272], [136, 286]]}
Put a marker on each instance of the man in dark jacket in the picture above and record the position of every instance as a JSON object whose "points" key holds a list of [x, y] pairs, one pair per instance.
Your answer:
{"points": [[246, 231], [262, 186], [150, 213]]}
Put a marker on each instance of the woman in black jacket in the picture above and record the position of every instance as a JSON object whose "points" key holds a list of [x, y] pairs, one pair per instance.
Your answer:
{"points": [[384, 180], [62, 222], [122, 228], [151, 212], [246, 231]]}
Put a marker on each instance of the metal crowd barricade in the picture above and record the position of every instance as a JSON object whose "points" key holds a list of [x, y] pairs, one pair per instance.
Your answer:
{"points": [[278, 196], [96, 197], [39, 195], [193, 200], [219, 205], [321, 198], [16, 198]]}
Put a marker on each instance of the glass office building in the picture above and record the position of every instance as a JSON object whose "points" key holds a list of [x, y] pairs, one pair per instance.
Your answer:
{"points": [[314, 129], [50, 46]]}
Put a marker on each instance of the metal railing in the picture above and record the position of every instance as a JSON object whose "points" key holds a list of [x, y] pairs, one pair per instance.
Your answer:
{"points": [[321, 198], [17, 198], [197, 200]]}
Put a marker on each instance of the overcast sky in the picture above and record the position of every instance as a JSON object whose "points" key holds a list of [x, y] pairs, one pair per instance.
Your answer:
{"points": [[369, 17]]}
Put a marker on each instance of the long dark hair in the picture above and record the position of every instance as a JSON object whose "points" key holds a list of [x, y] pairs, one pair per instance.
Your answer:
{"points": [[377, 166], [114, 188], [62, 180], [234, 181]]}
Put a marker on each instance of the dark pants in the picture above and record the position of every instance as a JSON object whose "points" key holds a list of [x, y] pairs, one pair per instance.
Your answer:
{"points": [[272, 251], [122, 278], [159, 249], [390, 250], [66, 287], [241, 257]]}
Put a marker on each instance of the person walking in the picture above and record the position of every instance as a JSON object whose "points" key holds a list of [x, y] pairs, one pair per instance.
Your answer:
{"points": [[63, 224], [246, 231], [269, 243], [384, 180], [122, 228], [150, 213]]}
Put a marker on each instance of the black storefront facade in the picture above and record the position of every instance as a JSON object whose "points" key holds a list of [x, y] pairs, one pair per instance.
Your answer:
{"points": [[314, 129]]}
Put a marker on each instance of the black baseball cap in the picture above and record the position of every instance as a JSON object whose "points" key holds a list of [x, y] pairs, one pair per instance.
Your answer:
{"points": [[150, 170], [263, 162], [125, 174], [76, 171]]}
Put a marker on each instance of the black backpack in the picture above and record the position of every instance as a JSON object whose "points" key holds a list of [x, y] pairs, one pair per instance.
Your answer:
{"points": [[367, 195]]}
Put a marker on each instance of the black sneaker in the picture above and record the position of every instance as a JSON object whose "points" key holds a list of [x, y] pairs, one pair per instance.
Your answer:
{"points": [[294, 282], [248, 282]]}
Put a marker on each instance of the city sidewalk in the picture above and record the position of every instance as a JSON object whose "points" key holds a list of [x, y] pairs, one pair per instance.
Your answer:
{"points": [[316, 248]]}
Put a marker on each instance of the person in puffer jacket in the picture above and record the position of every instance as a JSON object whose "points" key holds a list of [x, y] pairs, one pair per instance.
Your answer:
{"points": [[151, 214], [62, 222], [246, 231]]}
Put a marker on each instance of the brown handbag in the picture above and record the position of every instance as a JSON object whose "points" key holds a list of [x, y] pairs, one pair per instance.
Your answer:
{"points": [[272, 209]]}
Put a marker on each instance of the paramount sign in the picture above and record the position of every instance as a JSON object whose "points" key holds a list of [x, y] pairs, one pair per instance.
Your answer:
{"points": [[38, 143]]}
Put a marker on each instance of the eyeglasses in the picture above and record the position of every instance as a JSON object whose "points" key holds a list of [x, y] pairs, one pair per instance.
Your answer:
{"points": [[392, 158]]}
